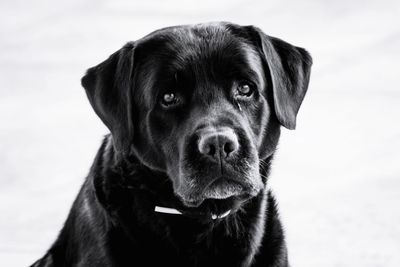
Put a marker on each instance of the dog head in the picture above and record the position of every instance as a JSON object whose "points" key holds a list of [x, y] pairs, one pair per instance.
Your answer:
{"points": [[201, 103]]}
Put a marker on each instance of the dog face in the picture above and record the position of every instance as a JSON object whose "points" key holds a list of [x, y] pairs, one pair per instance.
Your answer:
{"points": [[202, 103]]}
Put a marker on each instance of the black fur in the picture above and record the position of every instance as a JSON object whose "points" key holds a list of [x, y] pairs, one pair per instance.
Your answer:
{"points": [[152, 156]]}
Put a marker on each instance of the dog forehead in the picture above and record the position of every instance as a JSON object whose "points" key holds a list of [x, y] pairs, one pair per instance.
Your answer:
{"points": [[190, 42], [200, 47], [188, 33]]}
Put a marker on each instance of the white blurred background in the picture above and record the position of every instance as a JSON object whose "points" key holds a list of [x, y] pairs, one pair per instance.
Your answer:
{"points": [[337, 177]]}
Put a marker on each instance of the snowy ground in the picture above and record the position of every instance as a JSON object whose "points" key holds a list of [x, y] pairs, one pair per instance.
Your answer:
{"points": [[337, 177]]}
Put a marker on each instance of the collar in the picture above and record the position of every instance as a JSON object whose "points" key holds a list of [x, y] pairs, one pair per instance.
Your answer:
{"points": [[166, 210]]}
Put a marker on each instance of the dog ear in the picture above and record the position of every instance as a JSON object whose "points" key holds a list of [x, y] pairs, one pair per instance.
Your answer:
{"points": [[289, 70], [109, 87]]}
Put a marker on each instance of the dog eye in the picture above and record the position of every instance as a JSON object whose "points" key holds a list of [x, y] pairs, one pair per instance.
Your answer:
{"points": [[169, 99], [244, 89]]}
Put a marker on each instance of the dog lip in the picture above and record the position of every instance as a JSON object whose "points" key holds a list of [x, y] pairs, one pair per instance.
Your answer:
{"points": [[193, 203], [222, 188], [190, 202], [219, 189]]}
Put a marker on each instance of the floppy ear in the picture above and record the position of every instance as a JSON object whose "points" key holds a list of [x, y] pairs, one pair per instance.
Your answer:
{"points": [[109, 88], [289, 69]]}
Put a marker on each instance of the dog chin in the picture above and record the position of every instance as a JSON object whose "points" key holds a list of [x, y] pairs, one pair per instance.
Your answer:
{"points": [[218, 195], [221, 189]]}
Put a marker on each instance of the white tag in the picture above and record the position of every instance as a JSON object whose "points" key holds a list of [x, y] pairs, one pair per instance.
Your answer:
{"points": [[214, 216]]}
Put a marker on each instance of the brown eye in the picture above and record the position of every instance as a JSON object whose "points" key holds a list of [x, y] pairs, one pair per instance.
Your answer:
{"points": [[169, 99], [244, 89]]}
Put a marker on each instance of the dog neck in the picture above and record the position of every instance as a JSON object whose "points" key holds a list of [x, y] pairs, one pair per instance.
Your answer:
{"points": [[129, 193]]}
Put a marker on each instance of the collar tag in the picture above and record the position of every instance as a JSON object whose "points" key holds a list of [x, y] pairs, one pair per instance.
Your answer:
{"points": [[214, 216]]}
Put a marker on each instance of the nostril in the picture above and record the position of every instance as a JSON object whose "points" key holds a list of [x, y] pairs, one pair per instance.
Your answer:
{"points": [[210, 150], [230, 147]]}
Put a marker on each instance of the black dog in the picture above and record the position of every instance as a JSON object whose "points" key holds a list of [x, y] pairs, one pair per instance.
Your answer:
{"points": [[195, 115]]}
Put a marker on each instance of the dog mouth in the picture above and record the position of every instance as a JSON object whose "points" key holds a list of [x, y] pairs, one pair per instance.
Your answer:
{"points": [[217, 200], [222, 189], [218, 190]]}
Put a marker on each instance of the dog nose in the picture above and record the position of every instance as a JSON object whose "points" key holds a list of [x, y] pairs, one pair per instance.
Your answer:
{"points": [[217, 144]]}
